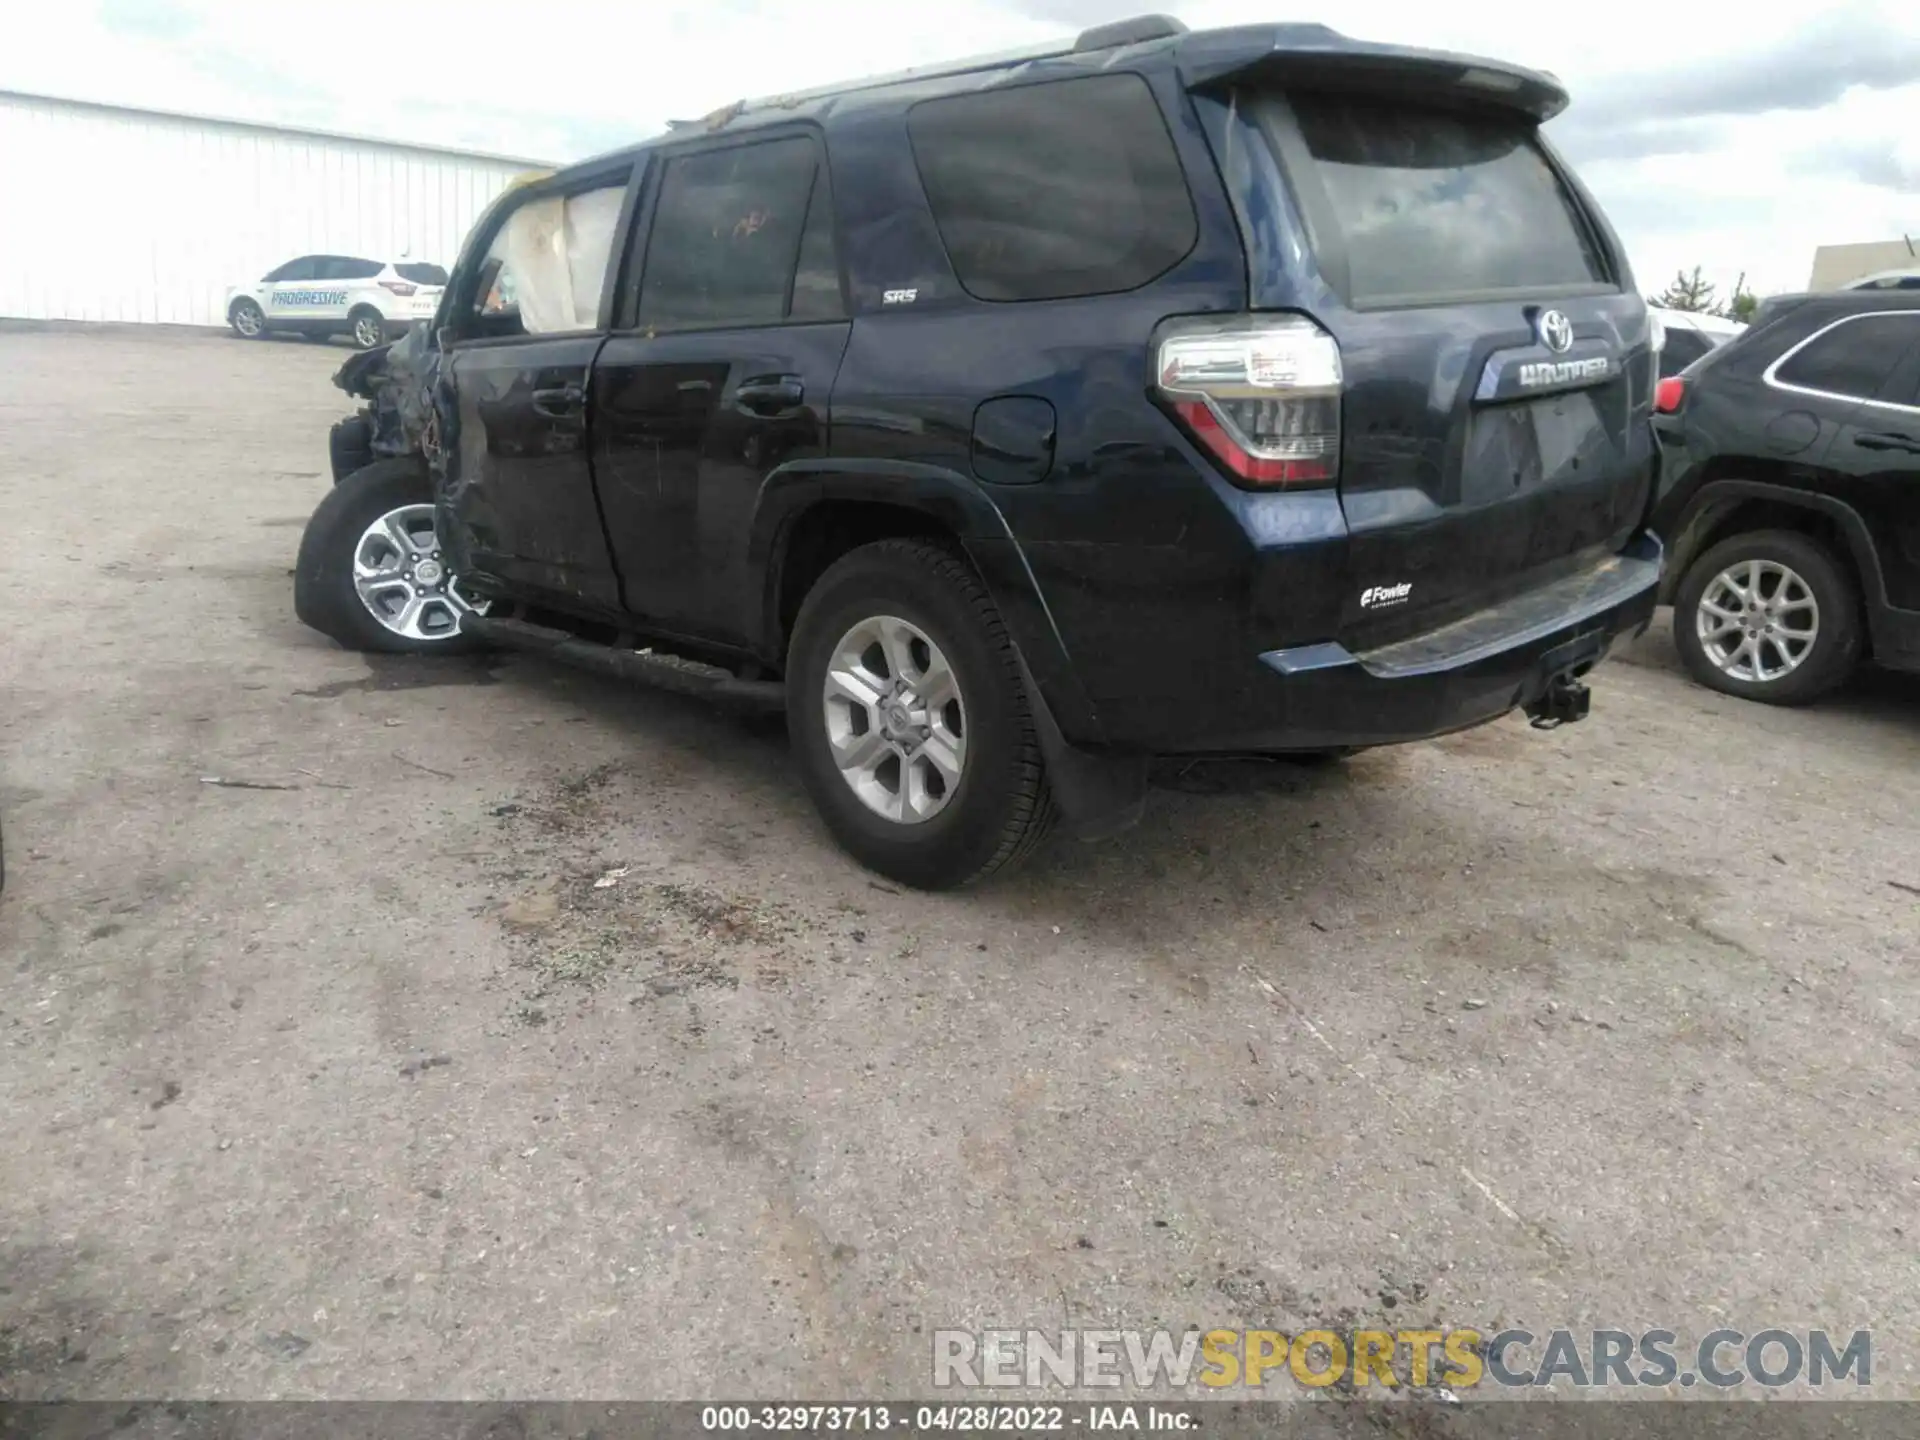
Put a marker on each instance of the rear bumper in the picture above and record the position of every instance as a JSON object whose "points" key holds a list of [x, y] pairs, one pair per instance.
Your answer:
{"points": [[1319, 697]]}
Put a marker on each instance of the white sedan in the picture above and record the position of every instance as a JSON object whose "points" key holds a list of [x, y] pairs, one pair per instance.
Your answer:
{"points": [[370, 301], [1683, 336]]}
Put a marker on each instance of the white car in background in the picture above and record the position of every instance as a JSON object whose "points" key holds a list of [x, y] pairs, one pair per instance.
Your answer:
{"points": [[1887, 280], [1683, 336], [370, 301]]}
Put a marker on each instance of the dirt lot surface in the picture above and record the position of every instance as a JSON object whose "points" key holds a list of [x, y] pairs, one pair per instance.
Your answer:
{"points": [[359, 1085]]}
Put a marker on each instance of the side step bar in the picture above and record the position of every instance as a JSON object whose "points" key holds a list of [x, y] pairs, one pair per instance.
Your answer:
{"points": [[661, 670]]}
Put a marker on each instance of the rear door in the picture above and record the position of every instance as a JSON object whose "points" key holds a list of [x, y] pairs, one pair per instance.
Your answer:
{"points": [[516, 490], [294, 291], [349, 278], [1496, 361], [720, 374], [1874, 460]]}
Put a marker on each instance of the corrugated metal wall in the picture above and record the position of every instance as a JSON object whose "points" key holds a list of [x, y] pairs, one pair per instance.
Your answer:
{"points": [[130, 216]]}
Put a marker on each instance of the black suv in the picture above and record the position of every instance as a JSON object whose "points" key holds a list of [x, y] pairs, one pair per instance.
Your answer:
{"points": [[1244, 391], [1790, 496]]}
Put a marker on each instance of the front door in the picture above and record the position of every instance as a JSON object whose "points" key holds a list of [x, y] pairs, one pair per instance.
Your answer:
{"points": [[720, 375], [515, 483], [295, 292]]}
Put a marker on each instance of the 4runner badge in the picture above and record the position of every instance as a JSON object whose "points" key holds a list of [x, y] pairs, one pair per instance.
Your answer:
{"points": [[1374, 596]]}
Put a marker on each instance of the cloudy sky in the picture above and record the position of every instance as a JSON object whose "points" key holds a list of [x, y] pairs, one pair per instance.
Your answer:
{"points": [[1734, 136]]}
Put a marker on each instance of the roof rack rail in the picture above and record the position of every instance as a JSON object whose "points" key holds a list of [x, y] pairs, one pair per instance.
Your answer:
{"points": [[1138, 30]]}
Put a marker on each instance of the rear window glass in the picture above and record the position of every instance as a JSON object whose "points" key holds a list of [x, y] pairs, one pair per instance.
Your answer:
{"points": [[420, 274], [1049, 191], [1431, 202], [1683, 347]]}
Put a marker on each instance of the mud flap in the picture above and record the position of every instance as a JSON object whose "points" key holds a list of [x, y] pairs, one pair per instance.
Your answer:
{"points": [[1098, 795]]}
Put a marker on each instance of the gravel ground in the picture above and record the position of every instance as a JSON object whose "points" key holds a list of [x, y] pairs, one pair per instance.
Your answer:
{"points": [[360, 1086]]}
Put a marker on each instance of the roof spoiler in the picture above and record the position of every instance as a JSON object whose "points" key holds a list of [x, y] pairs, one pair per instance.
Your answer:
{"points": [[1315, 53]]}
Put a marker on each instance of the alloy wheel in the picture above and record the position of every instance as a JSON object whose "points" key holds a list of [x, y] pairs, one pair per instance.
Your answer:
{"points": [[401, 578], [896, 720], [1757, 621]]}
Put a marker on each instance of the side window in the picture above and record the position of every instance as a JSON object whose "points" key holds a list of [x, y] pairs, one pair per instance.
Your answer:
{"points": [[727, 240], [307, 267], [341, 267], [547, 266], [1854, 358], [1067, 188]]}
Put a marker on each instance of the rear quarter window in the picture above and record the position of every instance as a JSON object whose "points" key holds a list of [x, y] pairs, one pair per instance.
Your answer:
{"points": [[1428, 203], [1853, 358], [1050, 191], [418, 273]]}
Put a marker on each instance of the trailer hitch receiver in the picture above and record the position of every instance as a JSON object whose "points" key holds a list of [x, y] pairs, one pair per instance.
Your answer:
{"points": [[1565, 700]]}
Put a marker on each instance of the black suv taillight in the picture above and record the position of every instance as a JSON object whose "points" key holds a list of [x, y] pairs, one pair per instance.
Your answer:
{"points": [[1261, 395]]}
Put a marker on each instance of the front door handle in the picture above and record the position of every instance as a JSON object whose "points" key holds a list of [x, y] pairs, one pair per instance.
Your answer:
{"points": [[563, 402], [770, 396], [1888, 440]]}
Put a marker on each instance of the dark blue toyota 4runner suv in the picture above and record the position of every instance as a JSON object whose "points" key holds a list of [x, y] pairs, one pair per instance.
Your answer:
{"points": [[1013, 422]]}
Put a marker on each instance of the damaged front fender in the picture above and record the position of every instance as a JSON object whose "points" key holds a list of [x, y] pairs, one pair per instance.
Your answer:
{"points": [[396, 381]]}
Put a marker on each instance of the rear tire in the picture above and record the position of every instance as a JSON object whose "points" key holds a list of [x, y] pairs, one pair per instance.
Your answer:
{"points": [[954, 646], [359, 529], [367, 328], [1769, 578]]}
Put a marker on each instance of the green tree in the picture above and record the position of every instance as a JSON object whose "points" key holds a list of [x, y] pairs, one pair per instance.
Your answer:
{"points": [[1687, 292], [1742, 306]]}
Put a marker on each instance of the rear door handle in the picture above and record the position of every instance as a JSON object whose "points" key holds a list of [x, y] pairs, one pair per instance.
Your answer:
{"points": [[1888, 440], [770, 395], [563, 402]]}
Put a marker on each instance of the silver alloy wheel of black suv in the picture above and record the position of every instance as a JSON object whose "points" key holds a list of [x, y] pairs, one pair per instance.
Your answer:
{"points": [[1769, 615]]}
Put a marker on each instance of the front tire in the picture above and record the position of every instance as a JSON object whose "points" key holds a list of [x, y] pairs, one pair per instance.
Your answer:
{"points": [[1770, 615], [249, 321], [349, 446], [912, 728], [367, 328], [370, 572]]}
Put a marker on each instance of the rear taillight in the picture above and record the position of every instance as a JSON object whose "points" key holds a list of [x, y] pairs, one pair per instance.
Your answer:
{"points": [[398, 287], [1261, 396], [1668, 395]]}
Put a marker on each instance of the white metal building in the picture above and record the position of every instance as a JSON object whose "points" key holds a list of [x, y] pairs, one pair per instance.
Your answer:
{"points": [[136, 215]]}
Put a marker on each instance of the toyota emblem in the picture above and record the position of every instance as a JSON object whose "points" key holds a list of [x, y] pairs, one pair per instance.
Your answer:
{"points": [[1556, 331]]}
